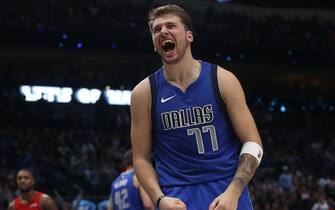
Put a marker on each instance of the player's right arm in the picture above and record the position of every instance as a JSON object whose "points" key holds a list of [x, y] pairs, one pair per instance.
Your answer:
{"points": [[11, 206], [141, 138], [141, 126]]}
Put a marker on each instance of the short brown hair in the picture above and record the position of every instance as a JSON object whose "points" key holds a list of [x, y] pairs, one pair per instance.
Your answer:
{"points": [[128, 158], [173, 10]]}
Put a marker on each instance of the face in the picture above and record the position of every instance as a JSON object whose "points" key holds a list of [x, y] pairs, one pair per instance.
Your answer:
{"points": [[170, 38], [25, 181]]}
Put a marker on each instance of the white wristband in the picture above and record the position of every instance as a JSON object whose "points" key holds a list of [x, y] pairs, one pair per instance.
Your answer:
{"points": [[253, 149]]}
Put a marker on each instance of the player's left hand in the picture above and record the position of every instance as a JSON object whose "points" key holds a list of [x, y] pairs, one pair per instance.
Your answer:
{"points": [[226, 201]]}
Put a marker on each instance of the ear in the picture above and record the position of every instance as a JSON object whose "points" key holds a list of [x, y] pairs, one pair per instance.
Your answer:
{"points": [[190, 36]]}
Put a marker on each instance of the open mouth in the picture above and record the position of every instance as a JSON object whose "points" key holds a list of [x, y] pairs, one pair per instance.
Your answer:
{"points": [[168, 46]]}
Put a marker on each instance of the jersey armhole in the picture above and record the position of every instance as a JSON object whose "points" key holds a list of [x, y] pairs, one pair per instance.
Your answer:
{"points": [[216, 90], [153, 91]]}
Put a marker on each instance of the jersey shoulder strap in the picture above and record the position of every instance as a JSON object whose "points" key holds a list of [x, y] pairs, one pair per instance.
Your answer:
{"points": [[216, 90], [153, 90]]}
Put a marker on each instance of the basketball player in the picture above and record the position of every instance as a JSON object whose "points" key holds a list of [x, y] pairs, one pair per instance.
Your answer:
{"points": [[126, 193], [194, 117], [29, 199]]}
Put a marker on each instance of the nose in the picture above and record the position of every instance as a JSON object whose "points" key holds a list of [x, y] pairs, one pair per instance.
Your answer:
{"points": [[21, 180], [164, 30]]}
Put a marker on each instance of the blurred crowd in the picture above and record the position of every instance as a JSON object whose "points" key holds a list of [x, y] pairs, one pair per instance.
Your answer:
{"points": [[296, 173], [327, 4], [118, 25], [75, 149], [65, 159], [291, 40]]}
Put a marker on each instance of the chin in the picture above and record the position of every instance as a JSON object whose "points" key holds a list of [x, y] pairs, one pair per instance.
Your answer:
{"points": [[25, 190], [171, 60]]}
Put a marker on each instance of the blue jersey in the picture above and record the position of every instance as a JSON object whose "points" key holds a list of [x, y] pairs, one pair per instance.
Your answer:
{"points": [[193, 139], [103, 205], [124, 193], [84, 204]]}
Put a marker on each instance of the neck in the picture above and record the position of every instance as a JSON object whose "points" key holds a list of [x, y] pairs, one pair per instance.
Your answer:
{"points": [[27, 196], [187, 69]]}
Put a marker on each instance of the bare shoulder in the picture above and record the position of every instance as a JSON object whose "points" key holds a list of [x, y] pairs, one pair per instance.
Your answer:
{"points": [[141, 96], [142, 88], [48, 203], [11, 205], [229, 85], [225, 75], [45, 198]]}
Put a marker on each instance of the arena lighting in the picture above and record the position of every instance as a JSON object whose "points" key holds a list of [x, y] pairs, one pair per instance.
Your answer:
{"points": [[223, 1], [86, 96], [79, 45], [118, 97], [50, 94], [282, 108], [82, 95]]}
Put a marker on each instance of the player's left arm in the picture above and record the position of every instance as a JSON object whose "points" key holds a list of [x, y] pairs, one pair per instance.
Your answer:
{"points": [[246, 130], [47, 203]]}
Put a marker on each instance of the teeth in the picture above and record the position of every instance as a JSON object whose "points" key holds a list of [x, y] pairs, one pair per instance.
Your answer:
{"points": [[167, 41]]}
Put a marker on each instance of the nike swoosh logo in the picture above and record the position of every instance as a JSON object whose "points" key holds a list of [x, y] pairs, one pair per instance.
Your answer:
{"points": [[163, 100]]}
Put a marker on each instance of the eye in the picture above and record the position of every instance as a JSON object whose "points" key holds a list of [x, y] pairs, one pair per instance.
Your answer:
{"points": [[157, 30], [171, 26]]}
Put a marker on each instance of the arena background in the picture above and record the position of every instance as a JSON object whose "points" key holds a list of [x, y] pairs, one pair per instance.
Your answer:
{"points": [[66, 68]]}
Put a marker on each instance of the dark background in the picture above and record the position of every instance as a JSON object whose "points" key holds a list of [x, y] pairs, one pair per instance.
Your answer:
{"points": [[282, 51]]}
